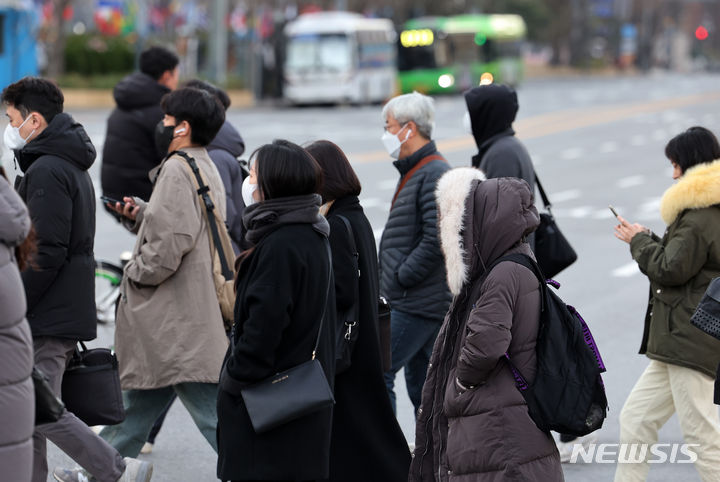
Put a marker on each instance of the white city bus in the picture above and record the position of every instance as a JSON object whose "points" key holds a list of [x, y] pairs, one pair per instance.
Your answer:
{"points": [[339, 57]]}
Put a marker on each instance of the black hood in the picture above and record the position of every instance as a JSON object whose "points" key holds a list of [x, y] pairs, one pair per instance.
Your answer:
{"points": [[228, 139], [138, 90], [492, 111], [63, 138]]}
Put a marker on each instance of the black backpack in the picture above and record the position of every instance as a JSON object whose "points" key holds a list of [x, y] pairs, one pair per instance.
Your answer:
{"points": [[567, 395]]}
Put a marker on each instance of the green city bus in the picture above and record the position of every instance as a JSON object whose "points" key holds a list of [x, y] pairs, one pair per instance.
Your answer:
{"points": [[452, 54]]}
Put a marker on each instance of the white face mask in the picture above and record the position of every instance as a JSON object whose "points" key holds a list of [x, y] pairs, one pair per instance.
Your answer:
{"points": [[13, 139], [247, 192], [392, 143], [467, 123]]}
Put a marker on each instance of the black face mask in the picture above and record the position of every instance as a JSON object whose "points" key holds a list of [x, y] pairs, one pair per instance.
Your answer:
{"points": [[163, 137]]}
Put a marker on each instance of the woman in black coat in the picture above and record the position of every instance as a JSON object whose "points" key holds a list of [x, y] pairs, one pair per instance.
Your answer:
{"points": [[367, 443], [284, 285]]}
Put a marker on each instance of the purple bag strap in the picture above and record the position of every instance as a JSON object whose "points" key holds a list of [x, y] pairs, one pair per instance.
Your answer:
{"points": [[519, 379]]}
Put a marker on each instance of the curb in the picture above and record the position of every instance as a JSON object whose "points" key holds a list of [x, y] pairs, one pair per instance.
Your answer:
{"points": [[103, 99]]}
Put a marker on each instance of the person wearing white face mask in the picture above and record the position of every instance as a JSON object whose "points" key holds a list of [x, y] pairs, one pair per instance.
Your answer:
{"points": [[412, 271], [250, 192], [54, 152]]}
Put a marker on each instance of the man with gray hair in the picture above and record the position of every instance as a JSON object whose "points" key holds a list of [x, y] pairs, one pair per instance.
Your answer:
{"points": [[412, 271]]}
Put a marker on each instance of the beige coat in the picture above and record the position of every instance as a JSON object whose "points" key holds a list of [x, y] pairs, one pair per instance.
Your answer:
{"points": [[169, 327]]}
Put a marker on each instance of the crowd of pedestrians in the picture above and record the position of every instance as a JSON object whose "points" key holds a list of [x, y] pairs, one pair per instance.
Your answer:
{"points": [[307, 279]]}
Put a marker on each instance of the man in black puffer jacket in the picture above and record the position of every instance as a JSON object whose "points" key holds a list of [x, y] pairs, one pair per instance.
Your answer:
{"points": [[129, 152], [54, 152], [412, 270]]}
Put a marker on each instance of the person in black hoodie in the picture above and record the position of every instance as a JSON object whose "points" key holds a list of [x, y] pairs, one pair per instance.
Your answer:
{"points": [[129, 152], [491, 111], [54, 152]]}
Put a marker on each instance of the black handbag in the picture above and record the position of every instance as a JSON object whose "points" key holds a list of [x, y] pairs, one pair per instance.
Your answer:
{"points": [[91, 387], [707, 313], [552, 249], [348, 335], [48, 407], [291, 394]]}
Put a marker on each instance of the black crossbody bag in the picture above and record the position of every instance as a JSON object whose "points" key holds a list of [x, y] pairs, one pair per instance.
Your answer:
{"points": [[293, 393], [552, 249]]}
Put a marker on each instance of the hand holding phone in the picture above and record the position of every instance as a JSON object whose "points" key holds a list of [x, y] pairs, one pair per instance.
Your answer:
{"points": [[112, 202]]}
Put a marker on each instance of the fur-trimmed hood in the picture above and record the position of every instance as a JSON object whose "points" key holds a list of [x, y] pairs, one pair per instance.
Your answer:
{"points": [[480, 220], [698, 188]]}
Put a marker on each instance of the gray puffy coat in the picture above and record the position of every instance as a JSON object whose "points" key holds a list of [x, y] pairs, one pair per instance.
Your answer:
{"points": [[412, 272], [17, 397]]}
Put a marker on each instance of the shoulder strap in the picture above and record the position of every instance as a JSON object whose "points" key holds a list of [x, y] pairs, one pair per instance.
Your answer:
{"points": [[529, 263], [356, 253], [423, 162], [204, 193], [545, 199], [327, 294]]}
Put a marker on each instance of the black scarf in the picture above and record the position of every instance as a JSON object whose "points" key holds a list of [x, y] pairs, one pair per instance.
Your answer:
{"points": [[264, 217]]}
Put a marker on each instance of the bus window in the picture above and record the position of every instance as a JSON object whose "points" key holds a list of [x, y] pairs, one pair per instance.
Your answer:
{"points": [[465, 49], [329, 52], [410, 58], [374, 50]]}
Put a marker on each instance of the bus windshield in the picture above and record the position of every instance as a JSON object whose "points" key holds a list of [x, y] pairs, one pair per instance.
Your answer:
{"points": [[319, 52]]}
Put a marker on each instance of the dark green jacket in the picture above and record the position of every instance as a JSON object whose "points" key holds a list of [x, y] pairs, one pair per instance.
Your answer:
{"points": [[680, 266]]}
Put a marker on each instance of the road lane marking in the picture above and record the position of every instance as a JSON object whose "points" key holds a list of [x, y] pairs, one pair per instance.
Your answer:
{"points": [[608, 146], [387, 184], [563, 121], [572, 153], [581, 212], [568, 195], [372, 202], [659, 135], [630, 181], [626, 270], [637, 140]]}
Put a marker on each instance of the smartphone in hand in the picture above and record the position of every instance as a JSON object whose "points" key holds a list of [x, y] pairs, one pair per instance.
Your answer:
{"points": [[612, 209], [112, 202]]}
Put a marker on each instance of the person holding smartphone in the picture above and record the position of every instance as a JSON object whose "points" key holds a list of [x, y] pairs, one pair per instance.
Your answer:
{"points": [[169, 335], [679, 266]]}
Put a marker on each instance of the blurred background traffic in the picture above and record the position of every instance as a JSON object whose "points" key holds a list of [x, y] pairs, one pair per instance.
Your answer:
{"points": [[273, 50]]}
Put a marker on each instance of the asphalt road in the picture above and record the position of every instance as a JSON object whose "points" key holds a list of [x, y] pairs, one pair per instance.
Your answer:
{"points": [[595, 141]]}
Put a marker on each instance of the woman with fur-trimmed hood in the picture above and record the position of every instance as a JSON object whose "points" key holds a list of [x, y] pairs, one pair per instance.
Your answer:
{"points": [[679, 266], [473, 424]]}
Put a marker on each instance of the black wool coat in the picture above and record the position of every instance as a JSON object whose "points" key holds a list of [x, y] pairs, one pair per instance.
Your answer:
{"points": [[280, 292], [129, 152], [59, 193], [367, 442], [412, 271]]}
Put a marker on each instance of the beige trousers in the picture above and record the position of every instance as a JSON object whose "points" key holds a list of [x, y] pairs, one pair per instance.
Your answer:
{"points": [[662, 390]]}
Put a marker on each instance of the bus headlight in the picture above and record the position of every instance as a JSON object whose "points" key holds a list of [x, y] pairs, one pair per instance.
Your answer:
{"points": [[486, 78], [446, 80]]}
